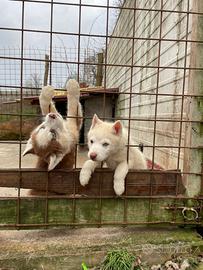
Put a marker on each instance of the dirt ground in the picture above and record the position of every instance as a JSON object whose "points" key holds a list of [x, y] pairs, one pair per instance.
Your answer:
{"points": [[9, 158], [66, 249]]}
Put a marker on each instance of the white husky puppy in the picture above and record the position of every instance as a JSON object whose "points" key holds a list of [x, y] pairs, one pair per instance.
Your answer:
{"points": [[107, 142], [54, 140]]}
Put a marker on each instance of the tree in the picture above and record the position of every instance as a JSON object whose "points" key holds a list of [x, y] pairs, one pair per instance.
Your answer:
{"points": [[33, 84]]}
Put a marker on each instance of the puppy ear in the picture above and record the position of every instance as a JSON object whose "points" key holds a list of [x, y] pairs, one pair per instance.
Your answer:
{"points": [[54, 161], [117, 127], [95, 121], [28, 148]]}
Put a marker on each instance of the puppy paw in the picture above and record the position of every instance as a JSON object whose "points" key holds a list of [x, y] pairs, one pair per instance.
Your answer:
{"points": [[119, 187], [84, 177], [47, 93], [73, 88]]}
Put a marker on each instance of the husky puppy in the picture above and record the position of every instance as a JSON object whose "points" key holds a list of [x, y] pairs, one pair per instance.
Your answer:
{"points": [[107, 143], [54, 140]]}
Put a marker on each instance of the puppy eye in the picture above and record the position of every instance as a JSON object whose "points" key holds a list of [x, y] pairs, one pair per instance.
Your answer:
{"points": [[42, 127], [105, 144], [91, 141]]}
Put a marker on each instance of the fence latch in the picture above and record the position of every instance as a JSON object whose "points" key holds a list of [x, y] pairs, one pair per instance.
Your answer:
{"points": [[187, 210], [189, 213]]}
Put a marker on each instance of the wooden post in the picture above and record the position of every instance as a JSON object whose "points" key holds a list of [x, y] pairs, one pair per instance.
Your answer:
{"points": [[99, 75], [46, 72]]}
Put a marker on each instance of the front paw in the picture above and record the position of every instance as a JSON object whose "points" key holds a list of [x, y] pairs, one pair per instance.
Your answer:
{"points": [[73, 88], [84, 177], [47, 93], [119, 187]]}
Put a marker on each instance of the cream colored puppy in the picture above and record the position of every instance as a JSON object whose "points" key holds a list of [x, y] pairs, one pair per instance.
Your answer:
{"points": [[54, 141], [107, 143]]}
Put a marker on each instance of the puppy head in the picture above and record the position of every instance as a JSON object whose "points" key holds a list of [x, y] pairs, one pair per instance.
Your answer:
{"points": [[45, 141], [104, 139], [53, 120]]}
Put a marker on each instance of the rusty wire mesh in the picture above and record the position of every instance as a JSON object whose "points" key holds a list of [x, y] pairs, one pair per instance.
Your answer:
{"points": [[149, 49]]}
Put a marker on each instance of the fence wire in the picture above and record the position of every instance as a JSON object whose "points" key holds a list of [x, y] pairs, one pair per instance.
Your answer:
{"points": [[151, 53]]}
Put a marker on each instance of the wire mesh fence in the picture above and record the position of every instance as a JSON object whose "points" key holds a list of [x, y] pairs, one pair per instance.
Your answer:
{"points": [[150, 75], [34, 70]]}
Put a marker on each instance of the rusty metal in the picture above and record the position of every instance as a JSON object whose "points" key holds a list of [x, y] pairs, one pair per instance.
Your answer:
{"points": [[133, 90], [96, 35], [21, 111], [93, 224], [110, 91], [105, 64], [112, 7]]}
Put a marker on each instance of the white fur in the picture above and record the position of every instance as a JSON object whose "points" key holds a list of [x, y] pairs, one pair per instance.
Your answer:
{"points": [[54, 127], [45, 99], [108, 142]]}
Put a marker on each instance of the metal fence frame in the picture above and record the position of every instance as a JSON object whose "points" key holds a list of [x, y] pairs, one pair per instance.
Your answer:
{"points": [[47, 178]]}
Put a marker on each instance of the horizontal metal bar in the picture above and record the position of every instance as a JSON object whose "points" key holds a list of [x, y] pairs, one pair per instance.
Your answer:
{"points": [[110, 7], [75, 197], [101, 170], [107, 92], [127, 145], [100, 224], [99, 36], [120, 118], [98, 64]]}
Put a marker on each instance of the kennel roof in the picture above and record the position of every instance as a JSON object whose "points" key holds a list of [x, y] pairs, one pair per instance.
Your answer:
{"points": [[88, 92]]}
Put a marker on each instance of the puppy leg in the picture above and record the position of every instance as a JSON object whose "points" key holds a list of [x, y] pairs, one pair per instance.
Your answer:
{"points": [[45, 100], [87, 170], [119, 177], [74, 107]]}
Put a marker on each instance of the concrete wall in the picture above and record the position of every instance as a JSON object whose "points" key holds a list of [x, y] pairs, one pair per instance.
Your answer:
{"points": [[145, 80], [96, 105]]}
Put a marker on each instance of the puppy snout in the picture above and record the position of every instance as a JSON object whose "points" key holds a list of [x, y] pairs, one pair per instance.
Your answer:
{"points": [[52, 115], [93, 156]]}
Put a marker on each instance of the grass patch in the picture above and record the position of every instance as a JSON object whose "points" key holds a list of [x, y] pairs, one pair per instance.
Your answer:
{"points": [[12, 136], [119, 259]]}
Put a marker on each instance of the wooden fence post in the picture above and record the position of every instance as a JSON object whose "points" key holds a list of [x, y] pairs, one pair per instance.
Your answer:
{"points": [[99, 75], [46, 71]]}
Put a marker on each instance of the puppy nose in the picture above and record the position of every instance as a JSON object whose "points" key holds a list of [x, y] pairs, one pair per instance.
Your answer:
{"points": [[93, 156], [52, 115]]}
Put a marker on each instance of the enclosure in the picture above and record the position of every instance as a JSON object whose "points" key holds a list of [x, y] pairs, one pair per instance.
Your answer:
{"points": [[147, 54]]}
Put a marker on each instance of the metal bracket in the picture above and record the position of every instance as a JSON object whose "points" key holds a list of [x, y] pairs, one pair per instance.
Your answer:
{"points": [[185, 210]]}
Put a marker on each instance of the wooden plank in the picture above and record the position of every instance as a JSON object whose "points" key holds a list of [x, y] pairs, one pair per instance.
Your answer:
{"points": [[138, 183]]}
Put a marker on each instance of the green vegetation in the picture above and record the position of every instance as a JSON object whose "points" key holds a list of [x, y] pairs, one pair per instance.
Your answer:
{"points": [[123, 260], [28, 111], [12, 136], [119, 259], [84, 267]]}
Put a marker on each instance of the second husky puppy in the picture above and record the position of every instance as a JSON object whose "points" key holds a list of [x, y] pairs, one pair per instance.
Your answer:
{"points": [[107, 142]]}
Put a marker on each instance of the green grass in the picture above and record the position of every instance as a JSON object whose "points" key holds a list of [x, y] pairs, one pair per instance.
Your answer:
{"points": [[12, 136], [84, 267], [119, 260], [5, 118], [30, 110]]}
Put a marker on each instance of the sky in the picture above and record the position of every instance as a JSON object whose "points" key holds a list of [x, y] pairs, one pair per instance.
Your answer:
{"points": [[37, 17], [65, 19]]}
